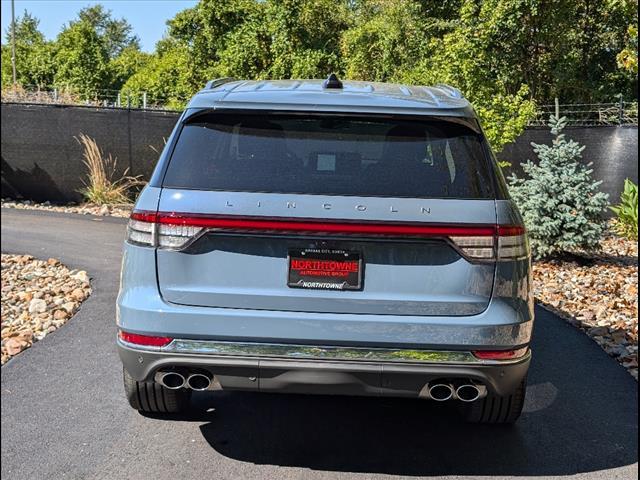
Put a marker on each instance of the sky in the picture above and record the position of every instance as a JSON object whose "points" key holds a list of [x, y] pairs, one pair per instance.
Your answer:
{"points": [[147, 17]]}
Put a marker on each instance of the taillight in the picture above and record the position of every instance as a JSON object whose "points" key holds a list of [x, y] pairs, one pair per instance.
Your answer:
{"points": [[176, 236], [174, 231], [146, 228], [501, 354], [476, 247], [141, 228], [509, 241], [144, 340], [513, 243]]}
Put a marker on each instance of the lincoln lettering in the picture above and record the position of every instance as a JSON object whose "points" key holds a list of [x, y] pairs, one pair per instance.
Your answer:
{"points": [[329, 206]]}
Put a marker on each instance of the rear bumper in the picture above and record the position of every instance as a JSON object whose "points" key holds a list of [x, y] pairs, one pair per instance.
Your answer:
{"points": [[500, 327], [506, 323], [322, 370]]}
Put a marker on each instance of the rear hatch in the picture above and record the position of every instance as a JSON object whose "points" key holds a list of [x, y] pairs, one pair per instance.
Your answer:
{"points": [[327, 213]]}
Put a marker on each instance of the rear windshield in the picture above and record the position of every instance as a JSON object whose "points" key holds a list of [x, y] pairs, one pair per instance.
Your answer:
{"points": [[330, 155]]}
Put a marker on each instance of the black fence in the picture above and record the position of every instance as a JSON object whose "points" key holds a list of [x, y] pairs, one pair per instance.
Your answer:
{"points": [[41, 159], [613, 151]]}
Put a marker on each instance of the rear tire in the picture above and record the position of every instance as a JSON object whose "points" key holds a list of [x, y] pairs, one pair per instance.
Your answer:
{"points": [[152, 397], [495, 409]]}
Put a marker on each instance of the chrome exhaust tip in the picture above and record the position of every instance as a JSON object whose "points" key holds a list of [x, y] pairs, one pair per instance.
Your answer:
{"points": [[468, 392], [198, 381], [440, 392], [170, 380]]}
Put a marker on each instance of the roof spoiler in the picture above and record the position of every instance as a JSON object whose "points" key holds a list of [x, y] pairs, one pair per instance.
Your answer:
{"points": [[211, 84], [453, 92]]}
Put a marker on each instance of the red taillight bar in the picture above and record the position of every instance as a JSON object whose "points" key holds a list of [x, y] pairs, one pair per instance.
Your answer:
{"points": [[145, 340], [143, 216], [510, 230], [310, 225]]}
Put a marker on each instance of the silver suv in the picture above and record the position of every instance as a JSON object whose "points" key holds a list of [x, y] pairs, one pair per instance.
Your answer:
{"points": [[327, 237]]}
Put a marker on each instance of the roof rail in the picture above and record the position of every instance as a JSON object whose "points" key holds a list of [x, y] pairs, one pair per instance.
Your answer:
{"points": [[217, 82], [453, 92]]}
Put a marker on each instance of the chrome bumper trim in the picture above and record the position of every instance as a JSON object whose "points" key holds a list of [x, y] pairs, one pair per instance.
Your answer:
{"points": [[313, 352]]}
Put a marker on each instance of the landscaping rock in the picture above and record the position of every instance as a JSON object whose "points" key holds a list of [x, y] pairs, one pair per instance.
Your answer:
{"points": [[69, 306], [37, 305], [122, 210], [34, 300], [78, 294], [81, 276]]}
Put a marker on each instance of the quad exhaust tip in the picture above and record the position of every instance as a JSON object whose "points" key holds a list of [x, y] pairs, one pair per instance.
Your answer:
{"points": [[468, 393], [443, 390], [195, 381], [440, 392], [198, 381], [171, 380]]}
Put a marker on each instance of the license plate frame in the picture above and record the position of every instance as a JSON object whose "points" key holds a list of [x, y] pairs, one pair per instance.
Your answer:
{"points": [[325, 269]]}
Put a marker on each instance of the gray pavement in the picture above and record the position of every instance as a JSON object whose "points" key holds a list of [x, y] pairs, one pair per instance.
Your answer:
{"points": [[64, 414]]}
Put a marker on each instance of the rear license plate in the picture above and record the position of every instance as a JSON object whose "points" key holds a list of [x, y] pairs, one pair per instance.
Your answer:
{"points": [[325, 269]]}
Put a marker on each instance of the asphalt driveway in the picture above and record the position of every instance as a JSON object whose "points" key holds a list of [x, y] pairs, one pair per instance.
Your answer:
{"points": [[64, 414]]}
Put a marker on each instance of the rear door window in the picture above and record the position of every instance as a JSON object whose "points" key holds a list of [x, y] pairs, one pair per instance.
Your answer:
{"points": [[330, 155]]}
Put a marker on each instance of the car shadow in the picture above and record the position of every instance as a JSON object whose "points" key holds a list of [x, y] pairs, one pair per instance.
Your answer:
{"points": [[580, 416]]}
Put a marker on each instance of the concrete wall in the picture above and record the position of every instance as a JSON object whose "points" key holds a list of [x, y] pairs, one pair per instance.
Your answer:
{"points": [[41, 160]]}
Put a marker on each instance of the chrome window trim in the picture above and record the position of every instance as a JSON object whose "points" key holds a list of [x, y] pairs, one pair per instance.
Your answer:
{"points": [[316, 352]]}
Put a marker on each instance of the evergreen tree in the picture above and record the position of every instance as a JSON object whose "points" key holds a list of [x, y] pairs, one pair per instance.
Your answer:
{"points": [[560, 201]]}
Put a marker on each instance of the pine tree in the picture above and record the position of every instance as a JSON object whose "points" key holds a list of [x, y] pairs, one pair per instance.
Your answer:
{"points": [[560, 201]]}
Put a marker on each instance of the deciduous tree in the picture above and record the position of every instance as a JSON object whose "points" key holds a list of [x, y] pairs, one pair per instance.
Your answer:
{"points": [[34, 55]]}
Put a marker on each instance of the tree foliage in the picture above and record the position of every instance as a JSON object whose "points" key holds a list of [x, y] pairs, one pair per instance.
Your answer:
{"points": [[82, 60], [166, 78], [505, 55], [34, 55], [130, 61], [305, 37], [386, 42], [115, 34], [628, 57], [94, 53]]}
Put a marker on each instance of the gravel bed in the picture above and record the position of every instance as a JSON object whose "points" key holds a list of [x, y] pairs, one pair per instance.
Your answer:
{"points": [[38, 297], [598, 294], [123, 210]]}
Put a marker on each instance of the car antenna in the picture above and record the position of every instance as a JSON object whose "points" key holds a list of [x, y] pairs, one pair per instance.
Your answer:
{"points": [[332, 81]]}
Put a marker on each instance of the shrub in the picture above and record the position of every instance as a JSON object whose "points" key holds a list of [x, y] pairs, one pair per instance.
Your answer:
{"points": [[560, 201], [627, 211], [101, 188]]}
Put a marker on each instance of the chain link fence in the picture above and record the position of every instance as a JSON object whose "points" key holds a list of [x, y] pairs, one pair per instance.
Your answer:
{"points": [[589, 114], [97, 98]]}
